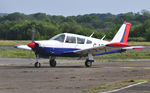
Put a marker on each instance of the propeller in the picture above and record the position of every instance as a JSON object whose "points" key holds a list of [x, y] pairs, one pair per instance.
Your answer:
{"points": [[32, 44], [33, 35]]}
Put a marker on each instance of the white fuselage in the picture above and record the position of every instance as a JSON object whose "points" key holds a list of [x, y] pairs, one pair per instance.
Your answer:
{"points": [[79, 42]]}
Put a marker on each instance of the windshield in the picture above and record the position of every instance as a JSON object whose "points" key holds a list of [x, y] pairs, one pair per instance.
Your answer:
{"points": [[59, 38]]}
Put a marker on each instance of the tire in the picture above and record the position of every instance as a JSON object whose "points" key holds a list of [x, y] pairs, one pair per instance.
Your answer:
{"points": [[37, 65], [52, 63], [88, 63]]}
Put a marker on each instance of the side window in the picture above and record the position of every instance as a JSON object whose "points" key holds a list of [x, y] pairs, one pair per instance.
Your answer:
{"points": [[80, 40], [60, 38], [89, 42], [70, 39]]}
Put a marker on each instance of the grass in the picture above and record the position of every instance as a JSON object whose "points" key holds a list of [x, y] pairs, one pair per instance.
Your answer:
{"points": [[14, 53], [112, 86], [129, 54], [13, 42], [133, 43]]}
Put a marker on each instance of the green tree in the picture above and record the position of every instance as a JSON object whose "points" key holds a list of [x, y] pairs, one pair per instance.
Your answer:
{"points": [[147, 34]]}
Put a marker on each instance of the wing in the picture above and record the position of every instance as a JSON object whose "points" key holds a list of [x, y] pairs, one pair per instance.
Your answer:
{"points": [[25, 47], [107, 49], [134, 47]]}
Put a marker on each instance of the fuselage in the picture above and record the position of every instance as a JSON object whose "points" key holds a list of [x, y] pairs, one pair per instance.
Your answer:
{"points": [[66, 42]]}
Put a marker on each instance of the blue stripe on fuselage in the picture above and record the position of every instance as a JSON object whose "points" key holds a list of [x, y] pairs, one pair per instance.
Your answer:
{"points": [[55, 51]]}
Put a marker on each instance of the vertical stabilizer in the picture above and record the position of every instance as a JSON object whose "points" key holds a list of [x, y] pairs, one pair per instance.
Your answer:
{"points": [[122, 34]]}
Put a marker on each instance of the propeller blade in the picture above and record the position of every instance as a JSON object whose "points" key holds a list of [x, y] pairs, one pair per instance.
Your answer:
{"points": [[33, 35], [33, 39]]}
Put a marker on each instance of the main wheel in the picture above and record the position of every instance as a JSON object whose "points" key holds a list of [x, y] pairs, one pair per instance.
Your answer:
{"points": [[52, 63], [37, 65], [88, 63]]}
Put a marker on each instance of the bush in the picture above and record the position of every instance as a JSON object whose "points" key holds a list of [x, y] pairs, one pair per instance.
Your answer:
{"points": [[139, 39]]}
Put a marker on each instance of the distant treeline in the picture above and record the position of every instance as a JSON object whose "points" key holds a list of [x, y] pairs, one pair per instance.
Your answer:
{"points": [[18, 26]]}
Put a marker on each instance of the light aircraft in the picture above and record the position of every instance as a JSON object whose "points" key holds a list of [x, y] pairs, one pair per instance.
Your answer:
{"points": [[73, 45]]}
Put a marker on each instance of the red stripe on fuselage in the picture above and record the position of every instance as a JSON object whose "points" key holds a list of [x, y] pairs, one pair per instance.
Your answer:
{"points": [[126, 32]]}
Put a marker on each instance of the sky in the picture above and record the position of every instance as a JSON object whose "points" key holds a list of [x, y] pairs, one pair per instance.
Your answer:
{"points": [[73, 7]]}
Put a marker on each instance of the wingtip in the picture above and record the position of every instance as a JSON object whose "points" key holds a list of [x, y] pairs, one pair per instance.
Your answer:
{"points": [[16, 46], [141, 47]]}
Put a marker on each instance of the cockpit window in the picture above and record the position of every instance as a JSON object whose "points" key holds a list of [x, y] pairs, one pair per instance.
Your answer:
{"points": [[80, 40], [59, 38], [70, 39]]}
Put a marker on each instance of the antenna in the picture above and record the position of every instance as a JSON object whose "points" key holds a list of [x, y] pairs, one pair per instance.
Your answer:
{"points": [[91, 34], [123, 19], [103, 37]]}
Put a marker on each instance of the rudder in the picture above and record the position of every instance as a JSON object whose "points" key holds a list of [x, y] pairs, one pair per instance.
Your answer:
{"points": [[122, 34]]}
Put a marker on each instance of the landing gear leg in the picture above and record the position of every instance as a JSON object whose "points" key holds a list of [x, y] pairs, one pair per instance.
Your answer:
{"points": [[37, 64], [88, 62], [52, 61]]}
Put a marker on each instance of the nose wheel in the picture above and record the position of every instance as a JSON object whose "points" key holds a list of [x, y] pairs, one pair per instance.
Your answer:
{"points": [[37, 65]]}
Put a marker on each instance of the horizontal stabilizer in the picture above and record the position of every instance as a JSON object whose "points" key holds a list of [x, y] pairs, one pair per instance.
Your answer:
{"points": [[134, 47], [118, 44]]}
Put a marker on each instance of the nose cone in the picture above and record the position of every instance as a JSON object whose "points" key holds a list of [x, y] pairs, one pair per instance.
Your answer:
{"points": [[31, 45]]}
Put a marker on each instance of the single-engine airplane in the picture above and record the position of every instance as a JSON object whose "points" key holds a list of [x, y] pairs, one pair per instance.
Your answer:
{"points": [[73, 45]]}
